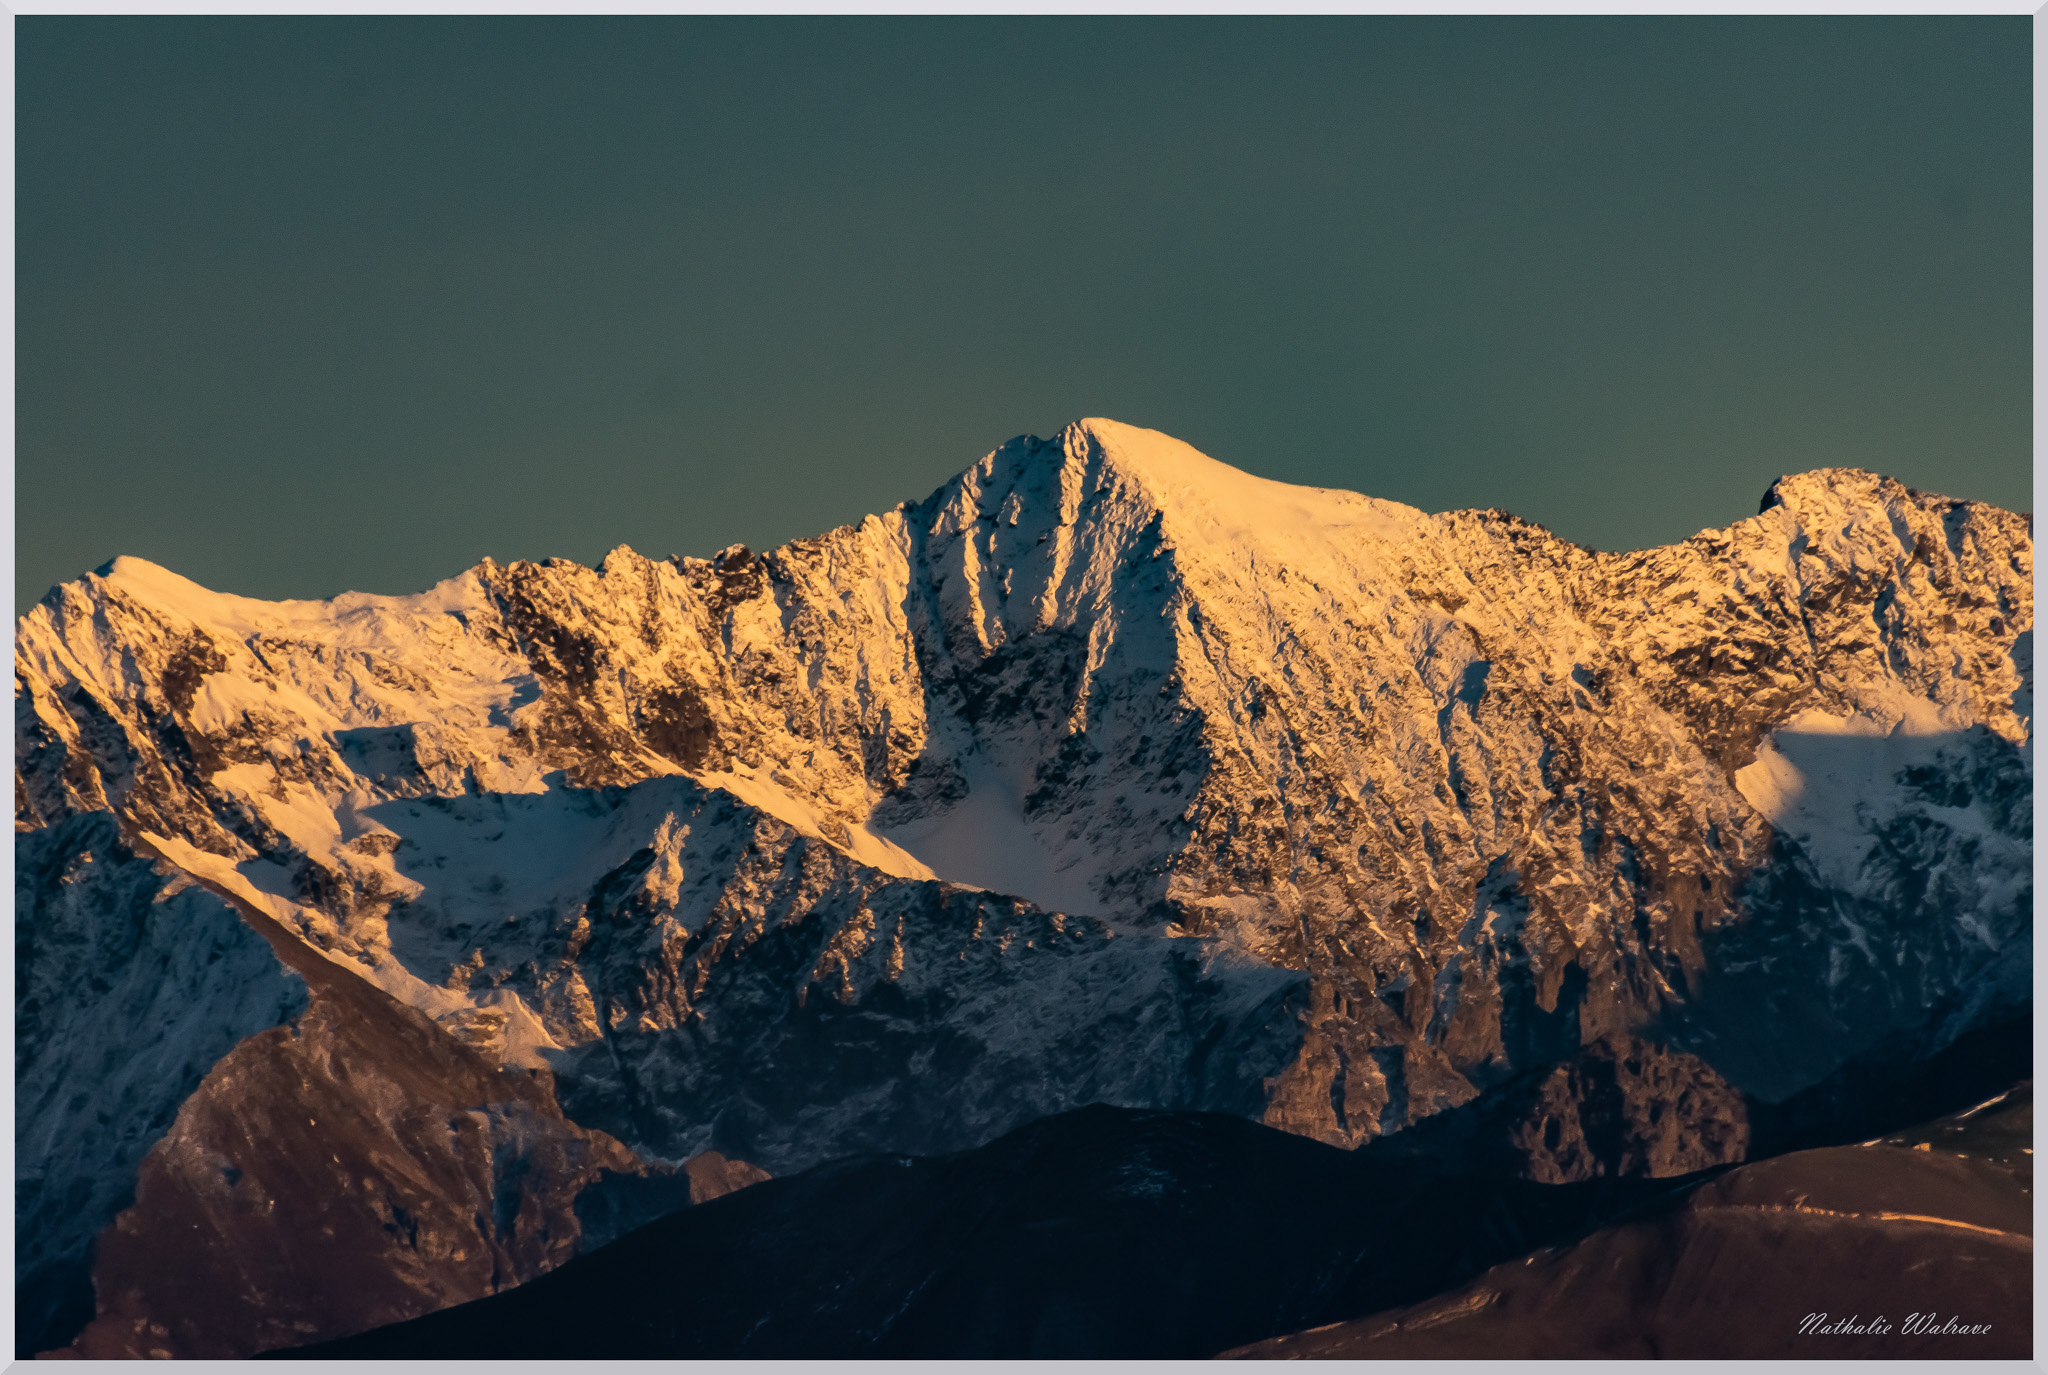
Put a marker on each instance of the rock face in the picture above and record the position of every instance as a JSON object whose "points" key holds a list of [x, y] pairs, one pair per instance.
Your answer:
{"points": [[1106, 773]]}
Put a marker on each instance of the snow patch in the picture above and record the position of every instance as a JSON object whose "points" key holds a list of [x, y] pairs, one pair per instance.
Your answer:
{"points": [[1233, 506], [1830, 782], [864, 844], [983, 841], [524, 1036]]}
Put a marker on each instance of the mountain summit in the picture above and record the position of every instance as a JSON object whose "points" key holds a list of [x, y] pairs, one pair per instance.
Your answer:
{"points": [[1105, 773]]}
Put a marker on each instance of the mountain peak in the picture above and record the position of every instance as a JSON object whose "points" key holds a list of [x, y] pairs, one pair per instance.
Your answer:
{"points": [[1822, 488], [1200, 499]]}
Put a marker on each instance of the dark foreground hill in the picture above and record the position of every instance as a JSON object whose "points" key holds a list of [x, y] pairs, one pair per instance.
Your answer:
{"points": [[1103, 1232], [1915, 1246], [1113, 1233]]}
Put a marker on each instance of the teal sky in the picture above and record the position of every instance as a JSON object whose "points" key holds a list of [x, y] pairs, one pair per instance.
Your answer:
{"points": [[311, 305]]}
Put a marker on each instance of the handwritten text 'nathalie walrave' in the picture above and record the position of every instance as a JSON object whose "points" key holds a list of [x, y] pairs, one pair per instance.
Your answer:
{"points": [[1915, 1325]]}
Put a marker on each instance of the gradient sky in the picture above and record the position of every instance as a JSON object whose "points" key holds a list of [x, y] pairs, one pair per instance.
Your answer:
{"points": [[310, 305]]}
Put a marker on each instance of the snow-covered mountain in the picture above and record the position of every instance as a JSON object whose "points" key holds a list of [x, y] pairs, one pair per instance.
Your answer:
{"points": [[1106, 773]]}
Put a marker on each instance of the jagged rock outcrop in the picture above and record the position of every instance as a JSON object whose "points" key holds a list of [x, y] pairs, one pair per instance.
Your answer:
{"points": [[1112, 773]]}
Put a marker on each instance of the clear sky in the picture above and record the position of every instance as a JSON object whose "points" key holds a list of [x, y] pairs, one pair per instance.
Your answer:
{"points": [[311, 305]]}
